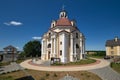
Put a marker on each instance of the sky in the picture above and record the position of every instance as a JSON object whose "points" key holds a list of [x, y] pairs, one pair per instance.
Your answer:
{"points": [[23, 20]]}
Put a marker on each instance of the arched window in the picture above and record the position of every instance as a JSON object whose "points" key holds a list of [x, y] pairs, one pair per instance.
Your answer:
{"points": [[76, 35], [53, 24], [49, 45], [49, 34], [77, 46], [60, 52]]}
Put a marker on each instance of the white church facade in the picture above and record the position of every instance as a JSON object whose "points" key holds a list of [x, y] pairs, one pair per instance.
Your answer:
{"points": [[63, 40]]}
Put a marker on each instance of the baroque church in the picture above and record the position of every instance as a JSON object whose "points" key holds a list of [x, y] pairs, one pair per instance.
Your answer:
{"points": [[63, 40]]}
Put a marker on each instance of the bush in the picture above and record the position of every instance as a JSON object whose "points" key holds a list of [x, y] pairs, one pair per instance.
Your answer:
{"points": [[55, 75], [111, 64], [42, 78], [4, 63], [47, 74]]}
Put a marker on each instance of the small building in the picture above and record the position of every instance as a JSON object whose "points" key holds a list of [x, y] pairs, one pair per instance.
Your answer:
{"points": [[10, 53], [113, 47]]}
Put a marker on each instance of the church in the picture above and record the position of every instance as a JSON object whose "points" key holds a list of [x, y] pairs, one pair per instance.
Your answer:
{"points": [[63, 40]]}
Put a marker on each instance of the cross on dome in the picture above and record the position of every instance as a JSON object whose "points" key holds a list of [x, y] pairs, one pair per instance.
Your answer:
{"points": [[63, 7]]}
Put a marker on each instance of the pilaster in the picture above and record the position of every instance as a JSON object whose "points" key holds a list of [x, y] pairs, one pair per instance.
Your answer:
{"points": [[71, 47]]}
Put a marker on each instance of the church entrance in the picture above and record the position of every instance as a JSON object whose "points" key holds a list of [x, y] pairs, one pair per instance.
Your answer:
{"points": [[48, 54]]}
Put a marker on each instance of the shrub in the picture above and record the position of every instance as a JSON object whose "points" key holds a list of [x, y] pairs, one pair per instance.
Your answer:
{"points": [[47, 74], [111, 64], [82, 74], [55, 75], [42, 78]]}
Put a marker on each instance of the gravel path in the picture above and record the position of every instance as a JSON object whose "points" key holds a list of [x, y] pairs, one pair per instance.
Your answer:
{"points": [[106, 73], [10, 68]]}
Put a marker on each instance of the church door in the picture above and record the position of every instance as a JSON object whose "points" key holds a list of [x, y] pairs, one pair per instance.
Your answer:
{"points": [[48, 54]]}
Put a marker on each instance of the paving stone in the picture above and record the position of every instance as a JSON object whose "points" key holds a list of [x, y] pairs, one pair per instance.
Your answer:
{"points": [[10, 68], [106, 73]]}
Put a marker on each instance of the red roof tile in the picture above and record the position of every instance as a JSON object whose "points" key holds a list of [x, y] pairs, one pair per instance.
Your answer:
{"points": [[63, 22]]}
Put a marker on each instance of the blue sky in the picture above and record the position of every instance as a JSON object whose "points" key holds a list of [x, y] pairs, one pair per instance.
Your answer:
{"points": [[20, 20]]}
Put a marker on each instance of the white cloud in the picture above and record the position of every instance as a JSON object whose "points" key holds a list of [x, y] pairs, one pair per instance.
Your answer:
{"points": [[36, 38], [13, 23], [17, 47]]}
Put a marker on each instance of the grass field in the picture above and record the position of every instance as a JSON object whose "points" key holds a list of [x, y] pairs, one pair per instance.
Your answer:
{"points": [[81, 62], [116, 66], [43, 75], [99, 57]]}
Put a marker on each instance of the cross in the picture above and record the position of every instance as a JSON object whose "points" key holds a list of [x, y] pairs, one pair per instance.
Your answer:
{"points": [[63, 7]]}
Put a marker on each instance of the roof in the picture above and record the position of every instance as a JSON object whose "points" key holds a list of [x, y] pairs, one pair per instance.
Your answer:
{"points": [[9, 47], [63, 22], [113, 42]]}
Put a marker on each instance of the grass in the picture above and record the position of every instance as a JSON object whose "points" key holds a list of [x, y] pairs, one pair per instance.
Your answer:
{"points": [[44, 75], [20, 60], [4, 63], [81, 62], [99, 57], [116, 66], [95, 56], [7, 63], [6, 78]]}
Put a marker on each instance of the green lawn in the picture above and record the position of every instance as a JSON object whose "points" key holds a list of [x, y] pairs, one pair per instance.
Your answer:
{"points": [[116, 66], [4, 63], [100, 57], [95, 56], [81, 62]]}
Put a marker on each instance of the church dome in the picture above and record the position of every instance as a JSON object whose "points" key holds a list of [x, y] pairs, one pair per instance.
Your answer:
{"points": [[63, 22]]}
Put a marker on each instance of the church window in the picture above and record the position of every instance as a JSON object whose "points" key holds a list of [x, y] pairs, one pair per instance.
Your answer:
{"points": [[49, 45], [60, 43], [76, 35], [63, 14], [53, 24], [49, 34], [77, 46], [60, 52]]}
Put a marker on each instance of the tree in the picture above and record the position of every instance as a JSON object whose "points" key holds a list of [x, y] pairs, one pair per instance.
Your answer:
{"points": [[32, 48]]}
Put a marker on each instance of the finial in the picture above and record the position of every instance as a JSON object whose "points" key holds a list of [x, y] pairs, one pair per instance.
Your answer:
{"points": [[63, 7]]}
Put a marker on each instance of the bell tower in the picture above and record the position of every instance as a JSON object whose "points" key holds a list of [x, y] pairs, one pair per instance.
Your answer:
{"points": [[63, 14]]}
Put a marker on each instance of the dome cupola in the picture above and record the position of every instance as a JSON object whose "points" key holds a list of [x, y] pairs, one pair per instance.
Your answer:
{"points": [[63, 14]]}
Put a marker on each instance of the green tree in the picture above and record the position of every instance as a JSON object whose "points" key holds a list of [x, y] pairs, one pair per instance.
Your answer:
{"points": [[32, 48]]}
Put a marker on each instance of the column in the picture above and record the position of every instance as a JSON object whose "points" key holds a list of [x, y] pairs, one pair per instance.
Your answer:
{"points": [[42, 48], [54, 47], [81, 48], [51, 52], [71, 47], [118, 50]]}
